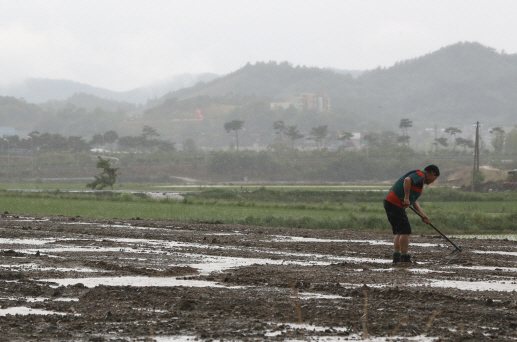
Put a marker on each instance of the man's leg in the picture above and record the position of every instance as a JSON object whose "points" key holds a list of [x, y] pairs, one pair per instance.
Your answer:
{"points": [[404, 243], [396, 244], [404, 248], [396, 249]]}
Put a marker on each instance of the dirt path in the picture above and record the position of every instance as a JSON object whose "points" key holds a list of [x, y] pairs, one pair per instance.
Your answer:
{"points": [[77, 279]]}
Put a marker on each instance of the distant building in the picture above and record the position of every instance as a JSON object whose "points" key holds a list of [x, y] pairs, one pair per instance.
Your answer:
{"points": [[305, 101]]}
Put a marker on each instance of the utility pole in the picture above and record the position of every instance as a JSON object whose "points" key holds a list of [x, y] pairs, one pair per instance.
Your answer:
{"points": [[475, 170]]}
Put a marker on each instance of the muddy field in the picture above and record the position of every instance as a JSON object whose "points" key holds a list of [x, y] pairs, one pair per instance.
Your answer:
{"points": [[77, 279]]}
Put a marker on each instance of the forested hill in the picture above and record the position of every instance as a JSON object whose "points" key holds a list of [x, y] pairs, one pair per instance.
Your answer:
{"points": [[460, 83], [455, 85]]}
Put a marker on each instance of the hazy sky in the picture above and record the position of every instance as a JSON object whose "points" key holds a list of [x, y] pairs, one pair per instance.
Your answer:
{"points": [[124, 44]]}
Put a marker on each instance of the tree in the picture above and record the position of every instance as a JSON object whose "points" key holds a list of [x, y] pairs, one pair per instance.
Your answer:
{"points": [[234, 125], [403, 139], [107, 177], [510, 144], [279, 127], [405, 124], [372, 139], [109, 138], [149, 132], [77, 144], [465, 143], [318, 134], [440, 141], [293, 134], [129, 143], [498, 137], [34, 135], [344, 137], [97, 140], [453, 131]]}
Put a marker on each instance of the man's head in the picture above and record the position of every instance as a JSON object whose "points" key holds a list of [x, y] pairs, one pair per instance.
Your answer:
{"points": [[432, 172]]}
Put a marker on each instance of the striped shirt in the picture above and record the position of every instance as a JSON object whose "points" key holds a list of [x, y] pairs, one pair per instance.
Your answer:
{"points": [[396, 193]]}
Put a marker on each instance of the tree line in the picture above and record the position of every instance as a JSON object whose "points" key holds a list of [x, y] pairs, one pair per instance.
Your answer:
{"points": [[286, 136], [148, 141], [500, 141]]}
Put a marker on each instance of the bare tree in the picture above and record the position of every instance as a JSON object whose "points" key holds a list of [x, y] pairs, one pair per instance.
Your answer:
{"points": [[405, 124], [318, 134], [453, 131], [279, 127], [293, 134], [498, 138], [344, 137], [234, 125]]}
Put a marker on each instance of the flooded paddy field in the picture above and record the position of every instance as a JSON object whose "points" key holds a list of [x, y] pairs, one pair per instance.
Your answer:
{"points": [[79, 279]]}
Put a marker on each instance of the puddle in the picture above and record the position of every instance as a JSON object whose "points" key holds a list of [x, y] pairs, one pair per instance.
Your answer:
{"points": [[6, 241], [41, 299], [511, 237], [218, 264], [501, 286], [413, 270], [28, 219], [280, 238], [35, 267], [207, 264], [307, 327], [310, 295], [137, 282], [353, 337], [496, 252], [486, 268], [22, 310]]}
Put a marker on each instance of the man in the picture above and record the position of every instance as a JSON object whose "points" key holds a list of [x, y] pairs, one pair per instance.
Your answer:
{"points": [[403, 193]]}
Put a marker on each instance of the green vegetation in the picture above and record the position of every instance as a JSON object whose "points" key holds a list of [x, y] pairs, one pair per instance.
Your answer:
{"points": [[107, 177], [452, 211]]}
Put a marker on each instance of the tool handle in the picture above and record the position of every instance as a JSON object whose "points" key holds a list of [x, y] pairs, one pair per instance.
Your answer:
{"points": [[445, 237]]}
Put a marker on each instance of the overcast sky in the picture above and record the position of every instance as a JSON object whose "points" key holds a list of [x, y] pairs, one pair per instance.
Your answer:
{"points": [[124, 44]]}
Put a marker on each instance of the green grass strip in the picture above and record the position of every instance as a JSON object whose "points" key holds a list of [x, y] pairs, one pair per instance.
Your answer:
{"points": [[454, 217]]}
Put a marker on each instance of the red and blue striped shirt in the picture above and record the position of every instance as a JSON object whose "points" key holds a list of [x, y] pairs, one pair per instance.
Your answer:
{"points": [[396, 193]]}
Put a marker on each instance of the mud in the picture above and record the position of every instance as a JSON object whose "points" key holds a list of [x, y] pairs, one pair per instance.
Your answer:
{"points": [[78, 279]]}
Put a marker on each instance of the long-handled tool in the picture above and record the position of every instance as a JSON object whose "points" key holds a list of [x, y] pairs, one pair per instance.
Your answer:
{"points": [[454, 252]]}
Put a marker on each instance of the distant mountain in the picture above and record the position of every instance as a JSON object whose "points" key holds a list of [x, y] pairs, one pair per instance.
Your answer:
{"points": [[452, 87], [20, 114], [456, 85], [90, 103], [271, 79], [40, 90]]}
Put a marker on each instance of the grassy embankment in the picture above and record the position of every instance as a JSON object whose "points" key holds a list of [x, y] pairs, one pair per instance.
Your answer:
{"points": [[452, 211]]}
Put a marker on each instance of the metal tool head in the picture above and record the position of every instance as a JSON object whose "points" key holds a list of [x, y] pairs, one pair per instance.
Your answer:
{"points": [[453, 254]]}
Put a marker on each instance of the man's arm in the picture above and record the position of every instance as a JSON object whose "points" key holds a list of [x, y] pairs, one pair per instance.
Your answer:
{"points": [[407, 188], [418, 208]]}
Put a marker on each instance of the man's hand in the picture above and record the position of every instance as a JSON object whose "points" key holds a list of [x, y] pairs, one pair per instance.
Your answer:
{"points": [[406, 203], [425, 219]]}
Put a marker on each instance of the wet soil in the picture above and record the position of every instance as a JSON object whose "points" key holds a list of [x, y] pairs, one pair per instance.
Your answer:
{"points": [[147, 280]]}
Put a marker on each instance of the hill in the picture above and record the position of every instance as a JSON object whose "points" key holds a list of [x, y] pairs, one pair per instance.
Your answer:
{"points": [[460, 83], [454, 86], [20, 114], [40, 90]]}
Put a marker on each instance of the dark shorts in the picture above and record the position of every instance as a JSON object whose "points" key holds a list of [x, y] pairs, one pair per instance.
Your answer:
{"points": [[398, 218]]}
